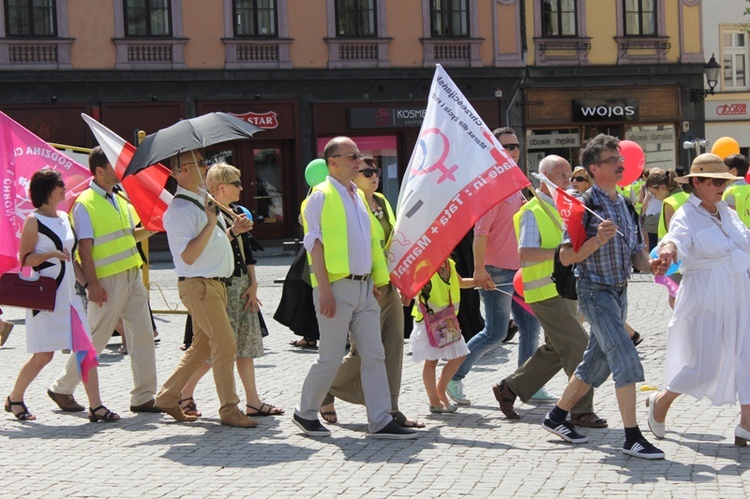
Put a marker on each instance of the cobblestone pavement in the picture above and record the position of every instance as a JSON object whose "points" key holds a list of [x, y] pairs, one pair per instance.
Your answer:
{"points": [[474, 452]]}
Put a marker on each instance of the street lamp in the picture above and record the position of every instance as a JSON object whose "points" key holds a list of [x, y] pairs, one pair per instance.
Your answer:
{"points": [[711, 70]]}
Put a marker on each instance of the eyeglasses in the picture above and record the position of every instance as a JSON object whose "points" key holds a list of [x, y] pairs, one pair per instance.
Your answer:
{"points": [[511, 147], [718, 182], [353, 156], [236, 183], [578, 179], [369, 172], [614, 160]]}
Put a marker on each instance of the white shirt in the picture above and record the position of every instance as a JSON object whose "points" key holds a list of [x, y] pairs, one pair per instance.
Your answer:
{"points": [[183, 221], [359, 237], [81, 218]]}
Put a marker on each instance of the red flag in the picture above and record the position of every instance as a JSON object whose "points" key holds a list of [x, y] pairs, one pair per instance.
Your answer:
{"points": [[21, 154], [457, 172], [571, 211], [145, 189]]}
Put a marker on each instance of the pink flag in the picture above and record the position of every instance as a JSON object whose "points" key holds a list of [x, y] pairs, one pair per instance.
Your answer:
{"points": [[21, 154], [145, 189], [457, 172], [82, 346]]}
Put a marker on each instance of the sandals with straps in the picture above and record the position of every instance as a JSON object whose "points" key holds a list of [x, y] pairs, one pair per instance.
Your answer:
{"points": [[270, 410], [107, 416], [189, 407], [23, 415]]}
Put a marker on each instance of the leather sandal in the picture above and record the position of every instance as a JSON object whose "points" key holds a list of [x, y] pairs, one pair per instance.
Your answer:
{"points": [[23, 415], [270, 410], [107, 416], [190, 408], [588, 420], [304, 343]]}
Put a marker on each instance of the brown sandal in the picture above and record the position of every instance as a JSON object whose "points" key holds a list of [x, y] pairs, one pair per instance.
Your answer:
{"points": [[270, 410], [189, 407]]}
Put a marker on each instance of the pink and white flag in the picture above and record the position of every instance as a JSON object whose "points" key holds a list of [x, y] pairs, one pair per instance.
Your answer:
{"points": [[145, 189], [457, 172], [21, 154]]}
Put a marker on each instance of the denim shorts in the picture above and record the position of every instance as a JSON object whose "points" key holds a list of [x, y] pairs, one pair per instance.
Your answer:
{"points": [[610, 349]]}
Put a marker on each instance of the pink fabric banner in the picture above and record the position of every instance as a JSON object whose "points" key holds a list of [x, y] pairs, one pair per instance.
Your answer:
{"points": [[22, 153], [83, 348]]}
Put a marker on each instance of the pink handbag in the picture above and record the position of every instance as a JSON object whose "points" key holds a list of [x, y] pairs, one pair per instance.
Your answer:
{"points": [[442, 327]]}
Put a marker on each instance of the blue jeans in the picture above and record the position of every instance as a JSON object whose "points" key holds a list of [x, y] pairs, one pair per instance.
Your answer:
{"points": [[497, 308], [610, 350]]}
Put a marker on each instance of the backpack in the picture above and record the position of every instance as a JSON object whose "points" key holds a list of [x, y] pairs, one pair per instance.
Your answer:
{"points": [[564, 275]]}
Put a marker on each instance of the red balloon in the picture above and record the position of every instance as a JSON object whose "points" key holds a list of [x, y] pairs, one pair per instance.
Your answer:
{"points": [[518, 283], [635, 161]]}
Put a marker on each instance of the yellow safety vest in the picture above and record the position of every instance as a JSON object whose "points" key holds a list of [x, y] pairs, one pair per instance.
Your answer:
{"points": [[333, 228], [675, 201], [638, 185], [441, 294], [537, 276], [741, 195], [113, 248]]}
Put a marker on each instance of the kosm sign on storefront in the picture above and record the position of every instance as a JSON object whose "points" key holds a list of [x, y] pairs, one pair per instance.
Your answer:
{"points": [[605, 110]]}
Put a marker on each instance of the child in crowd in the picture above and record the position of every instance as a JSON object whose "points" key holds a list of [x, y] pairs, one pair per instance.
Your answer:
{"points": [[442, 291]]}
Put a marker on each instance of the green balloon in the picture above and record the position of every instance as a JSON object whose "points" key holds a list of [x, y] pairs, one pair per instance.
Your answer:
{"points": [[316, 172]]}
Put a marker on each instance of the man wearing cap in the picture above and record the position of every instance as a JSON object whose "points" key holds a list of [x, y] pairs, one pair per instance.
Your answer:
{"points": [[347, 264], [604, 262], [495, 249], [203, 262], [539, 231], [111, 262]]}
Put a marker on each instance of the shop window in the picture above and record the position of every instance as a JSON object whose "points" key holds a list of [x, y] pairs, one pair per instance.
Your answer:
{"points": [[659, 144], [449, 17], [34, 35], [563, 142], [734, 66], [450, 33], [559, 18], [268, 196], [641, 32], [254, 17], [148, 34], [147, 18], [356, 34], [356, 18], [256, 34]]}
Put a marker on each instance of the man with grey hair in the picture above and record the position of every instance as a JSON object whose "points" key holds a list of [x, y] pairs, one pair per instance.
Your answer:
{"points": [[539, 231]]}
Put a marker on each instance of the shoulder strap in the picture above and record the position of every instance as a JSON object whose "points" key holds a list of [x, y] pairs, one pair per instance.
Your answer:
{"points": [[196, 203]]}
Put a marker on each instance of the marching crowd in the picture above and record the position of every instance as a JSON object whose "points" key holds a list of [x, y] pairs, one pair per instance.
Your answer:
{"points": [[341, 282]]}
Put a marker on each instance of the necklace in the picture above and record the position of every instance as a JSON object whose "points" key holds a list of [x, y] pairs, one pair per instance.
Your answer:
{"points": [[715, 213], [377, 211]]}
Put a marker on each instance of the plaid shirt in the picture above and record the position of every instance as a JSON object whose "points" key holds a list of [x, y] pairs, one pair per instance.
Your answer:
{"points": [[610, 264]]}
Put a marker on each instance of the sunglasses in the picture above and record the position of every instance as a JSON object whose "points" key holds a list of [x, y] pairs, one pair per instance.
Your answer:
{"points": [[353, 156], [369, 172], [511, 147], [718, 182], [614, 160], [60, 183], [236, 183], [578, 179]]}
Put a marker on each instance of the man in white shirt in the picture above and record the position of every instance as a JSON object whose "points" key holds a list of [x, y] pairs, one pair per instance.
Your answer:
{"points": [[204, 262]]}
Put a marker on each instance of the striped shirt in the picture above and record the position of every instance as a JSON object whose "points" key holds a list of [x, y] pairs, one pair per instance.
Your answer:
{"points": [[611, 264]]}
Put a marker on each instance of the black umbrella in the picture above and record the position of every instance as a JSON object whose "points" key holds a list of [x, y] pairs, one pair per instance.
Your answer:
{"points": [[188, 135]]}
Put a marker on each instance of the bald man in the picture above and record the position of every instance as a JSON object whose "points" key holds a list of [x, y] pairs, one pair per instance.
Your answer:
{"points": [[539, 231]]}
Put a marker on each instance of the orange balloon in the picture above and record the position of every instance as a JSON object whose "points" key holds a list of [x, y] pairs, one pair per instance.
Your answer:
{"points": [[725, 146]]}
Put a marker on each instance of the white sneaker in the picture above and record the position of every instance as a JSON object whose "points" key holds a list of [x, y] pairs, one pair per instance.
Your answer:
{"points": [[544, 396], [456, 393]]}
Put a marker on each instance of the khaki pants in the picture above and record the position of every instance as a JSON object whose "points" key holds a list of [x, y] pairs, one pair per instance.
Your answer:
{"points": [[348, 384], [127, 299], [565, 341], [206, 301]]}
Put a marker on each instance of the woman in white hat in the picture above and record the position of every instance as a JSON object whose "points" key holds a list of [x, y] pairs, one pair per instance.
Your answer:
{"points": [[708, 349]]}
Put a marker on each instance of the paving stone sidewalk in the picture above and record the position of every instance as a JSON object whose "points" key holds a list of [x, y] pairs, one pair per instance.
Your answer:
{"points": [[475, 452]]}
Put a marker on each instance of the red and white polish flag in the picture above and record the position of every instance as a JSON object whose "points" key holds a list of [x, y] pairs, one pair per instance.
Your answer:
{"points": [[571, 211]]}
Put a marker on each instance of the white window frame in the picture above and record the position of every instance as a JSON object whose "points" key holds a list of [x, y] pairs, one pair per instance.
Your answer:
{"points": [[733, 52]]}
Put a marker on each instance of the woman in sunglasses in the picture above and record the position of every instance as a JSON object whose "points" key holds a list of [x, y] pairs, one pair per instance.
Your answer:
{"points": [[708, 348], [581, 180], [348, 385]]}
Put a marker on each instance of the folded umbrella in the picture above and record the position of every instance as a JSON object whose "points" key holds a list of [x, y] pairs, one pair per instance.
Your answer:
{"points": [[188, 135]]}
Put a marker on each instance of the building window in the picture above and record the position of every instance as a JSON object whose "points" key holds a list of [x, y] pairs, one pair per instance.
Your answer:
{"points": [[449, 17], [356, 18], [640, 17], [559, 18], [32, 18], [734, 47], [148, 18], [255, 18]]}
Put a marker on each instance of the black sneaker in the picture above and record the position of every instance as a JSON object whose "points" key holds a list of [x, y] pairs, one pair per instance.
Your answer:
{"points": [[311, 427], [394, 431], [637, 338], [511, 333], [565, 430], [642, 448]]}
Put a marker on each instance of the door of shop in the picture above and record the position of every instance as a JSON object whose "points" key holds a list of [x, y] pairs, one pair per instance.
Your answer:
{"points": [[265, 167]]}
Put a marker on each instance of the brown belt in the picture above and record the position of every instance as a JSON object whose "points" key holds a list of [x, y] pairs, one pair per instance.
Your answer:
{"points": [[225, 280], [361, 278]]}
